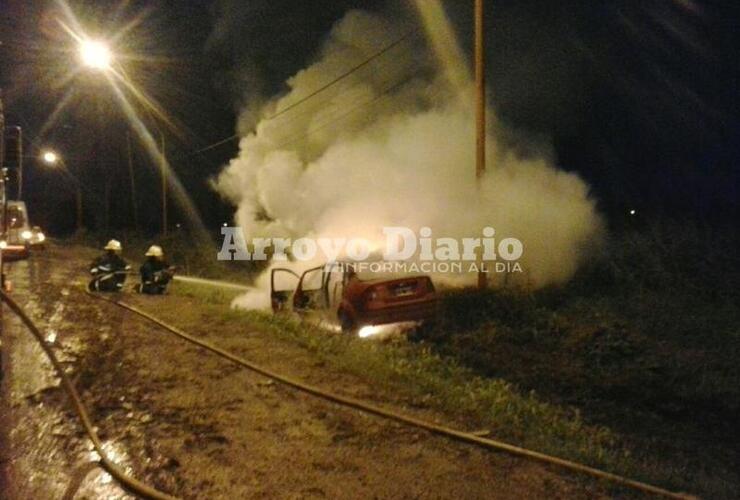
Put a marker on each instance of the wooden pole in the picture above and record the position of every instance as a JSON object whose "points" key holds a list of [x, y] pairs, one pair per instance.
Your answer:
{"points": [[480, 116], [134, 208], [480, 93], [164, 186], [78, 207]]}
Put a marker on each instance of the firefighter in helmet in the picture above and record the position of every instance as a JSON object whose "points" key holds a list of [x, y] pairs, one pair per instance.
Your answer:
{"points": [[156, 273], [109, 270]]}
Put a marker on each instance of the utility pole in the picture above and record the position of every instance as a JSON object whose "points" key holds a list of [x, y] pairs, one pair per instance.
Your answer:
{"points": [[134, 208], [78, 207], [164, 185], [20, 163], [78, 195], [3, 204], [74, 178], [480, 93], [14, 158], [480, 116]]}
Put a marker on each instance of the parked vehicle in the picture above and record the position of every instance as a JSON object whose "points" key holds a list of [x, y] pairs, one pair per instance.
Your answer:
{"points": [[38, 238], [357, 302], [16, 240]]}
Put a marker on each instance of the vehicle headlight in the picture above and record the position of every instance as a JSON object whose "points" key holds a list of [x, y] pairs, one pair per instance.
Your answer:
{"points": [[26, 235], [3, 244], [41, 236]]}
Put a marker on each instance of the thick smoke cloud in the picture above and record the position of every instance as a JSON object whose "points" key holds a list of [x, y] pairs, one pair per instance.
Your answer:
{"points": [[393, 145]]}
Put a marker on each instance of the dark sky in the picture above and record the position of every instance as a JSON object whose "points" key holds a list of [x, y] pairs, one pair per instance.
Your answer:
{"points": [[640, 98]]}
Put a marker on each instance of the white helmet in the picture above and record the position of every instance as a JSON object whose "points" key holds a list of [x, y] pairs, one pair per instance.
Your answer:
{"points": [[154, 251], [114, 245]]}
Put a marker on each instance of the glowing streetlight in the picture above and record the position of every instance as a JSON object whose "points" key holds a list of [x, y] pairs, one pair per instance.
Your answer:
{"points": [[95, 54], [50, 157]]}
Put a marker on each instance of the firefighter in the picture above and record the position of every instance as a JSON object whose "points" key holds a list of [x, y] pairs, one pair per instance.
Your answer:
{"points": [[156, 273], [109, 270]]}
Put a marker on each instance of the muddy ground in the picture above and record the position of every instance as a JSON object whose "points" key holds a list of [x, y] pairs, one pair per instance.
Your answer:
{"points": [[196, 426]]}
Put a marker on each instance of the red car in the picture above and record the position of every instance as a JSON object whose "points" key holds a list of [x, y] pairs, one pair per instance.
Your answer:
{"points": [[355, 302]]}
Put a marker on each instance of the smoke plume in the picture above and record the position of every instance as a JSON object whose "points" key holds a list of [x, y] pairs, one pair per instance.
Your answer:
{"points": [[393, 144]]}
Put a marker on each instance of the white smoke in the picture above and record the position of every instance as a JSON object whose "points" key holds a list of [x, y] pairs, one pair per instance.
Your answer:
{"points": [[393, 145]]}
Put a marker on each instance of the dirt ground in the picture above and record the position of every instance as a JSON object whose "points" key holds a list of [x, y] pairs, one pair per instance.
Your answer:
{"points": [[196, 426]]}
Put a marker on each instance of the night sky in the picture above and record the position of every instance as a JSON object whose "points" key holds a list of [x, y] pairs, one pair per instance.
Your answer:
{"points": [[640, 98]]}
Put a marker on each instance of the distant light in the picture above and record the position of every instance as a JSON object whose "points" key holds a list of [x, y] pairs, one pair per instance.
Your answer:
{"points": [[50, 157], [177, 225], [226, 224], [95, 54], [26, 235], [633, 212]]}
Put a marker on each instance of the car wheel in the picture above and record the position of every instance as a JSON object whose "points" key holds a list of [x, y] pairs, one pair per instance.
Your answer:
{"points": [[421, 332], [347, 323]]}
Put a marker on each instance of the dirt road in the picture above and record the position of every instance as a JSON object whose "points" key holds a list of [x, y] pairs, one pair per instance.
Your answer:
{"points": [[197, 427]]}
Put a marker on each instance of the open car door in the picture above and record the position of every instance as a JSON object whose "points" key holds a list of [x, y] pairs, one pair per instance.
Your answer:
{"points": [[311, 293], [283, 284], [334, 281]]}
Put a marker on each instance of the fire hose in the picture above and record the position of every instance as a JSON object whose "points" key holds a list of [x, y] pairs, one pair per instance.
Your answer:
{"points": [[128, 482], [433, 428]]}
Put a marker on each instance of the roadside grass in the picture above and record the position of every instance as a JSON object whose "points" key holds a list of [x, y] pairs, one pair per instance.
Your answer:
{"points": [[644, 340], [430, 379], [654, 322], [631, 366], [205, 293]]}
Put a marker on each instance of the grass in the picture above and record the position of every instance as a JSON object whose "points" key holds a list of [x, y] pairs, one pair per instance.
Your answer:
{"points": [[653, 322], [631, 367], [644, 341], [429, 378]]}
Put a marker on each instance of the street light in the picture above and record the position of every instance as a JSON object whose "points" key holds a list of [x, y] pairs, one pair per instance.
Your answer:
{"points": [[50, 157], [95, 54], [53, 159]]}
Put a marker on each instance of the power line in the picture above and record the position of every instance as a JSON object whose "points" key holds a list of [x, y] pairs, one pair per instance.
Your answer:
{"points": [[344, 75], [215, 144], [295, 138], [341, 77]]}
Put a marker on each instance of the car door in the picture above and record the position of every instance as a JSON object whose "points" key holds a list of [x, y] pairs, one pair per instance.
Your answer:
{"points": [[283, 284], [311, 293], [334, 284]]}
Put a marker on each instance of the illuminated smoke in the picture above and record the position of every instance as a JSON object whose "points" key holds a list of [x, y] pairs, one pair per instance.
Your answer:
{"points": [[393, 145]]}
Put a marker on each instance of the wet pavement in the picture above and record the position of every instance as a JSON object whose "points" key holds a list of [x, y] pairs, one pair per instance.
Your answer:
{"points": [[43, 450]]}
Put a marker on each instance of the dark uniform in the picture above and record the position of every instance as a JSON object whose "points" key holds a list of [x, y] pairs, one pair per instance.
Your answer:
{"points": [[109, 273], [155, 275]]}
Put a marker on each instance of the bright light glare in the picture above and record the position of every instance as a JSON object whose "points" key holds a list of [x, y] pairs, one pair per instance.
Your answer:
{"points": [[369, 331], [95, 54], [50, 157], [383, 331], [26, 235], [633, 212]]}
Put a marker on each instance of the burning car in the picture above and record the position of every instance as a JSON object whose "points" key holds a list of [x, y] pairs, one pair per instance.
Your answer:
{"points": [[360, 304]]}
